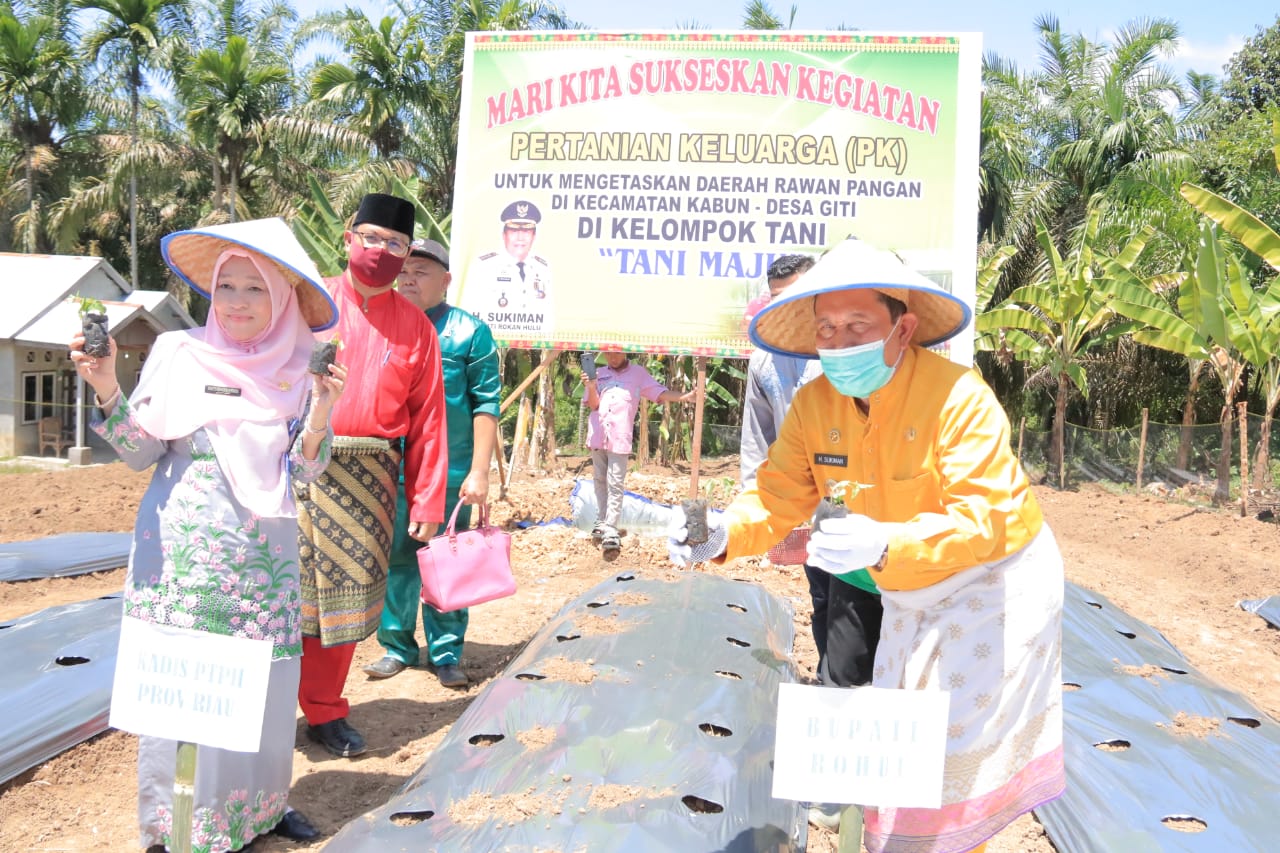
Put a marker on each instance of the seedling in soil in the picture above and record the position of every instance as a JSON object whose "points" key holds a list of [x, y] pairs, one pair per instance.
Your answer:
{"points": [[833, 505], [93, 320], [695, 519], [323, 354]]}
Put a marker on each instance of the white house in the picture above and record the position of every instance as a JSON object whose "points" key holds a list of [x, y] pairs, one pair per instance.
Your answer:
{"points": [[37, 379]]}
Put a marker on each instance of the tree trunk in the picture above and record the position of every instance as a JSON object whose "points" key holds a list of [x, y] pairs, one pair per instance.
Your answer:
{"points": [[1222, 493], [1262, 458], [1060, 429], [542, 447], [135, 80], [1188, 417]]}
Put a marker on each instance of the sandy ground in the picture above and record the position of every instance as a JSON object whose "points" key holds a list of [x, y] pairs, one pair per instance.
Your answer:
{"points": [[1178, 568]]}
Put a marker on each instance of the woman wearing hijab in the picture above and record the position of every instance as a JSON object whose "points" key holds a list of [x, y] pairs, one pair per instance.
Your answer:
{"points": [[226, 413]]}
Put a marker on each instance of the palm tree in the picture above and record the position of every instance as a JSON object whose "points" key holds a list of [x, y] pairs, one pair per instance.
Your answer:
{"points": [[129, 33], [230, 93], [35, 64]]}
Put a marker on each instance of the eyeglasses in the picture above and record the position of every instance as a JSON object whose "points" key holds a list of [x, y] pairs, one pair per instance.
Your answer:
{"points": [[377, 241]]}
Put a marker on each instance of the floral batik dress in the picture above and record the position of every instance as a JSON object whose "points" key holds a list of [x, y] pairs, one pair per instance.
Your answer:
{"points": [[202, 561]]}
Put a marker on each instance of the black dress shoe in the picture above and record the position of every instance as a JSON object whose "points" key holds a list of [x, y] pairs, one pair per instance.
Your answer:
{"points": [[338, 737], [295, 827], [451, 675], [384, 667]]}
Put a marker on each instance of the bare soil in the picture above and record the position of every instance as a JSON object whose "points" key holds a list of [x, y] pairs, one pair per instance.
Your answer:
{"points": [[1180, 568]]}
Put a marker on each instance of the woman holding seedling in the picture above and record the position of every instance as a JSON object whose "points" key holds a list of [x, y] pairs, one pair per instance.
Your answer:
{"points": [[939, 511], [226, 413]]}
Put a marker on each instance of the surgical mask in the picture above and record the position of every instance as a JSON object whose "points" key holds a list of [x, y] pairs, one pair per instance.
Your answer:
{"points": [[859, 371], [374, 267]]}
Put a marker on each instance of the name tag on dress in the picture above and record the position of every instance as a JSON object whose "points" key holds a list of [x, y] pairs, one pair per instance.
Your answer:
{"points": [[222, 390]]}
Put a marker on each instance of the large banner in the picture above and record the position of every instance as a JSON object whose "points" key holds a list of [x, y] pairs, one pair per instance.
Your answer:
{"points": [[630, 190]]}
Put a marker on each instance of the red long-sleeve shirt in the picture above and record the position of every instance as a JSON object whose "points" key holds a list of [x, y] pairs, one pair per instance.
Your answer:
{"points": [[394, 387]]}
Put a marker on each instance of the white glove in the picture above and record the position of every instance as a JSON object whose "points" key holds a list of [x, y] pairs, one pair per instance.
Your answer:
{"points": [[684, 554], [841, 545]]}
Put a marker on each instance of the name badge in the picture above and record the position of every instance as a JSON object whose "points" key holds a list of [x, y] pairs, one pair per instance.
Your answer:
{"points": [[222, 390], [831, 459]]}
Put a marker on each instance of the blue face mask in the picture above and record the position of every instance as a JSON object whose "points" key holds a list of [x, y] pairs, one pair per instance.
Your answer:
{"points": [[859, 371]]}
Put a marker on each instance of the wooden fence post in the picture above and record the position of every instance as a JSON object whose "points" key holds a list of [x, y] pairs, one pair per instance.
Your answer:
{"points": [[1142, 446], [1243, 415]]}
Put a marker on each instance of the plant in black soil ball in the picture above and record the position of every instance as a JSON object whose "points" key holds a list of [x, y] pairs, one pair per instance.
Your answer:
{"points": [[93, 321], [323, 354]]}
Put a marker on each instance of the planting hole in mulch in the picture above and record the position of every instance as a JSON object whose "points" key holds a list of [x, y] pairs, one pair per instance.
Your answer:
{"points": [[738, 607], [529, 676], [1247, 722], [743, 643], [564, 638], [411, 818], [624, 578], [1193, 726], [701, 806], [536, 737], [1129, 634], [70, 660], [1174, 671], [1117, 745], [594, 604], [714, 730], [724, 673], [485, 740], [1069, 686], [1094, 605], [1184, 823]]}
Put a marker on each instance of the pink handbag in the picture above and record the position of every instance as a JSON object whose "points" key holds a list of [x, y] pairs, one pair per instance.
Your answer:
{"points": [[463, 568]]}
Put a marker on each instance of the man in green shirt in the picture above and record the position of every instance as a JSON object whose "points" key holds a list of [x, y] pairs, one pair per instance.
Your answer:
{"points": [[472, 387]]}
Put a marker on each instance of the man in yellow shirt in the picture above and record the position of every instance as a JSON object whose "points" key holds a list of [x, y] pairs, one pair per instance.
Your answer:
{"points": [[941, 514]]}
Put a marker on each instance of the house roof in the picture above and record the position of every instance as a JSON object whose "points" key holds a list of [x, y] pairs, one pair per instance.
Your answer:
{"points": [[31, 284]]}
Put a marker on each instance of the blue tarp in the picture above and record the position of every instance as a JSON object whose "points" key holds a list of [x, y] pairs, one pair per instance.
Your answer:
{"points": [[63, 555]]}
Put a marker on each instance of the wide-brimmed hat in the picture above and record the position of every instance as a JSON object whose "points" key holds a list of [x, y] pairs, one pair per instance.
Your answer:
{"points": [[786, 325], [192, 255]]}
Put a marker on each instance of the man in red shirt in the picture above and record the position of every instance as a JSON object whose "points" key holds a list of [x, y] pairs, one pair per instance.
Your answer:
{"points": [[393, 406]]}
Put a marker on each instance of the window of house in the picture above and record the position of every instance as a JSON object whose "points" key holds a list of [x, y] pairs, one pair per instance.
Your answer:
{"points": [[38, 396]]}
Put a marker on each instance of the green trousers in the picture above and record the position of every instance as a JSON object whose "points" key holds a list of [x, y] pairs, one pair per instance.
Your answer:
{"points": [[444, 631]]}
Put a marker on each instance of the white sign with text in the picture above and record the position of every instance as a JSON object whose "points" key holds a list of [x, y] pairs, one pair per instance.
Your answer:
{"points": [[869, 745], [191, 686]]}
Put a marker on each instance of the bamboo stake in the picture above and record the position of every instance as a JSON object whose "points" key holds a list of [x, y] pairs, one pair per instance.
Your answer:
{"points": [[1142, 447], [502, 464], [695, 441], [518, 439], [1241, 408], [1022, 427], [548, 358], [184, 796]]}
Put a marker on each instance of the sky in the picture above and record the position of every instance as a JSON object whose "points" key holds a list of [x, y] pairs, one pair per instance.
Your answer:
{"points": [[1211, 31]]}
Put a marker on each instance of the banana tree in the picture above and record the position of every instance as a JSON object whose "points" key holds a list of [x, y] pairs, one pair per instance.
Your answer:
{"points": [[1218, 321], [1054, 321], [1259, 238]]}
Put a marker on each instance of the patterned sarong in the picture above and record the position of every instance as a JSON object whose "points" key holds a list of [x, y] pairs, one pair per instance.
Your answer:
{"points": [[992, 636], [344, 542]]}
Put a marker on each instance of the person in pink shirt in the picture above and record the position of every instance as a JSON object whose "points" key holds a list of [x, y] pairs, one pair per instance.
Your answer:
{"points": [[613, 395]]}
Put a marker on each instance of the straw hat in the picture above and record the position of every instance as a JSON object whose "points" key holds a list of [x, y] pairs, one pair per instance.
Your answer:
{"points": [[786, 325], [192, 254]]}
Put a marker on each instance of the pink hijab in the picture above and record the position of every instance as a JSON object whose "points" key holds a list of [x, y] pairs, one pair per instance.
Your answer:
{"points": [[243, 393]]}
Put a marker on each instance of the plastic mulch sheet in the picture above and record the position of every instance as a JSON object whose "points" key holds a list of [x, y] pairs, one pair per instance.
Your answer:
{"points": [[640, 515], [56, 669], [1268, 608], [63, 555], [1158, 757], [640, 718]]}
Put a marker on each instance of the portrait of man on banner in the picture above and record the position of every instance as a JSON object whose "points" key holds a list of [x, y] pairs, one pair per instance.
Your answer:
{"points": [[513, 285]]}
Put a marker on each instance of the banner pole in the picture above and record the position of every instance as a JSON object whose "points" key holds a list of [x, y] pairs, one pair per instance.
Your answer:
{"points": [[695, 440]]}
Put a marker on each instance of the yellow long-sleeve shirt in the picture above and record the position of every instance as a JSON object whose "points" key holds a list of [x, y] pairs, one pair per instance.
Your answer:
{"points": [[934, 450]]}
